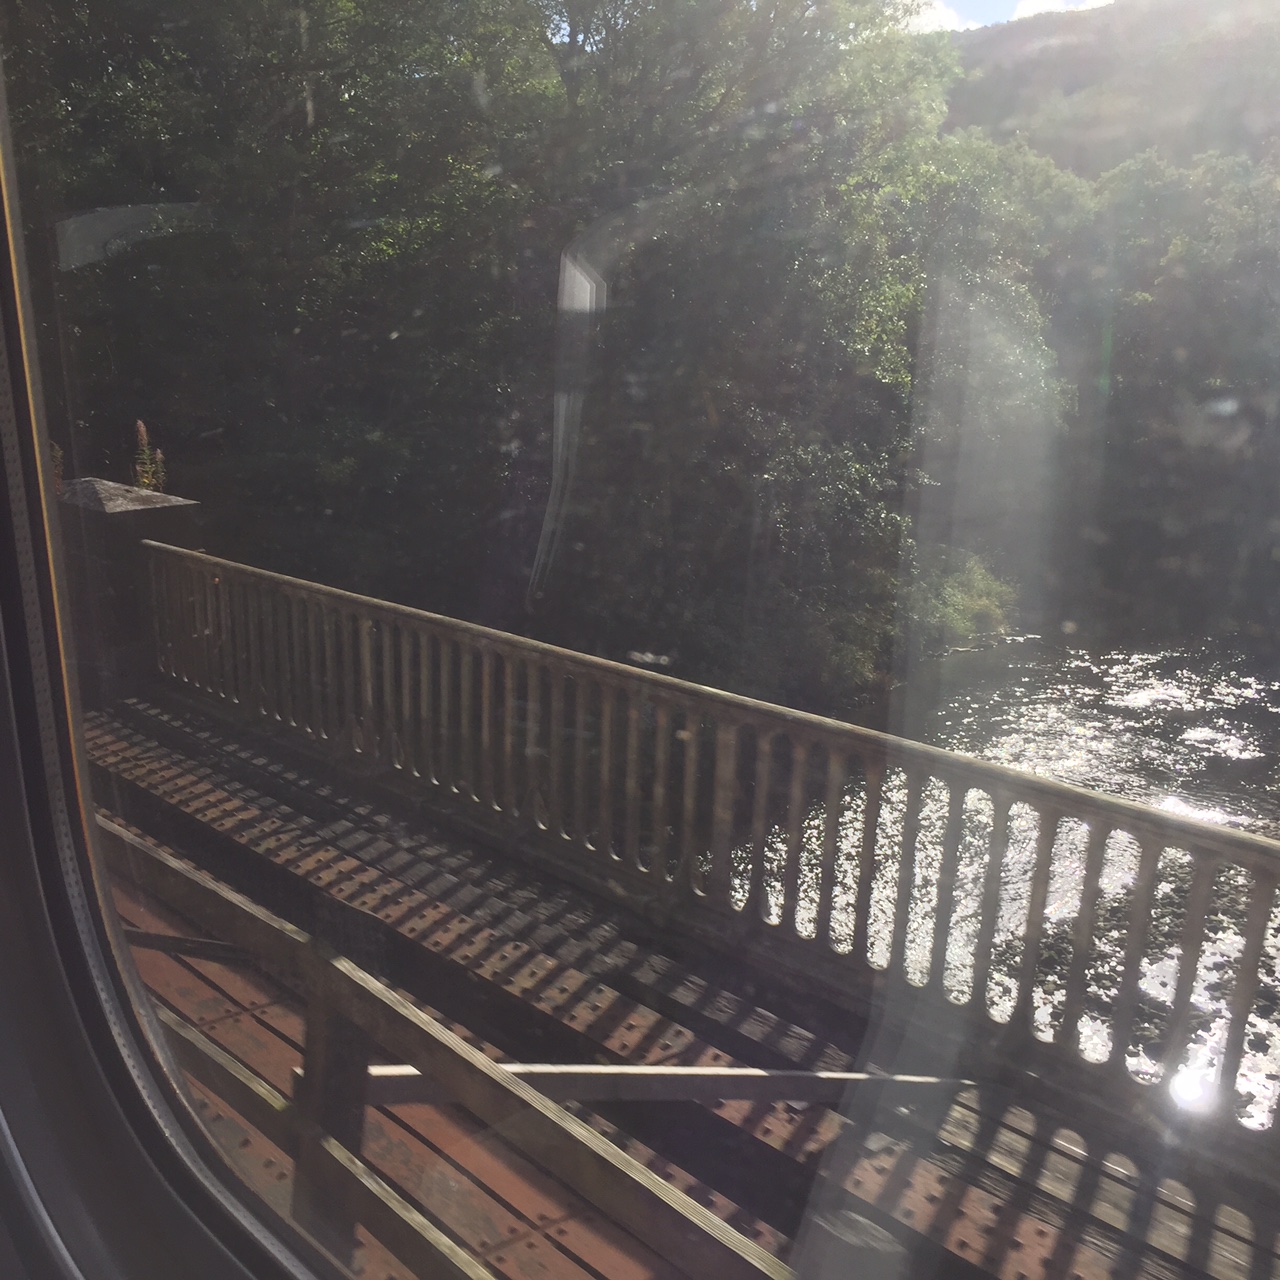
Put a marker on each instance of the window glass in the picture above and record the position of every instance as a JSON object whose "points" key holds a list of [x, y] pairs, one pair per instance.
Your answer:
{"points": [[675, 607]]}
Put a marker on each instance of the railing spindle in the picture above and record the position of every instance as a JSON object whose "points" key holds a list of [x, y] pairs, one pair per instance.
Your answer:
{"points": [[177, 629], [159, 611], [173, 593], [241, 642], [196, 661], [556, 747], [990, 899], [279, 676], [797, 810], [408, 739], [873, 771], [304, 702], [1037, 900], [510, 800], [393, 754], [309, 649], [217, 621], [755, 906], [723, 805], [284, 664], [200, 600], [686, 872], [213, 630], [832, 808], [288, 680], [533, 755], [948, 868], [201, 651], [1135, 947], [1082, 936], [906, 873], [467, 784], [164, 598], [273, 667], [178, 620], [266, 643], [605, 841], [1189, 960], [183, 638], [446, 739], [178, 588], [271, 656], [266, 652], [369, 729], [234, 597], [225, 679], [1245, 989], [213, 637], [186, 629], [279, 670], [348, 681], [226, 651], [428, 758], [254, 701], [487, 791], [661, 771], [332, 676], [315, 716], [298, 682], [631, 785], [581, 835]]}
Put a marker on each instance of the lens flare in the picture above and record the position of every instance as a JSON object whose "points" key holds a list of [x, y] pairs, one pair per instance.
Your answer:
{"points": [[1192, 1089]]}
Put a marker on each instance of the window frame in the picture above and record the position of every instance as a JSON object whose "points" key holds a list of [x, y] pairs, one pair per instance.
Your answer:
{"points": [[105, 1168]]}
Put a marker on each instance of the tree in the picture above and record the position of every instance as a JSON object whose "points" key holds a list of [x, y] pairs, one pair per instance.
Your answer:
{"points": [[349, 351]]}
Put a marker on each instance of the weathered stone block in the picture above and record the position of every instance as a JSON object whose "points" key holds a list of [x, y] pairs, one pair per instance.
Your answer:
{"points": [[104, 526]]}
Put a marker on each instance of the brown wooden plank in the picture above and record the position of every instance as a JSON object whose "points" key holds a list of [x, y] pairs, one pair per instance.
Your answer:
{"points": [[682, 1232], [469, 1211]]}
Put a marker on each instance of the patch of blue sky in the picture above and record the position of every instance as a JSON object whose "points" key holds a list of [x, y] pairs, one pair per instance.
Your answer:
{"points": [[952, 15]]}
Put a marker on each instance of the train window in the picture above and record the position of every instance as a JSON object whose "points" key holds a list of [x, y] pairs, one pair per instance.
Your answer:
{"points": [[658, 623]]}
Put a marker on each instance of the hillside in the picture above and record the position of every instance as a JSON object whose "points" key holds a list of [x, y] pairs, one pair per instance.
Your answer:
{"points": [[1091, 89]]}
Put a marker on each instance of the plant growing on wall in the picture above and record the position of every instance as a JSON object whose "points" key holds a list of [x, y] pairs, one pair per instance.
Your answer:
{"points": [[148, 462]]}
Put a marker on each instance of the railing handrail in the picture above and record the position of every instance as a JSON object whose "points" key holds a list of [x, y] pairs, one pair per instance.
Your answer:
{"points": [[1051, 794], [841, 860]]}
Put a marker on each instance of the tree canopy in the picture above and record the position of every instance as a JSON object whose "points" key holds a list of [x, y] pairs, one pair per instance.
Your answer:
{"points": [[849, 352]]}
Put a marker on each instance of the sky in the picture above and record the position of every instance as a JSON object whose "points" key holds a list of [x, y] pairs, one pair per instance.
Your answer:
{"points": [[955, 15]]}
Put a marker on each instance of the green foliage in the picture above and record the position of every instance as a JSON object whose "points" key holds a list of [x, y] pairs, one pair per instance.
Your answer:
{"points": [[148, 463], [1161, 307], [959, 600], [830, 318], [1195, 341]]}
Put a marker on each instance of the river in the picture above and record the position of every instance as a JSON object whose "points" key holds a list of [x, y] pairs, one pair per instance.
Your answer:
{"points": [[1195, 732], [1192, 731]]}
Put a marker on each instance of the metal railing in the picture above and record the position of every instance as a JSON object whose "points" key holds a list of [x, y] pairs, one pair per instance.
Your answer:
{"points": [[1061, 929]]}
